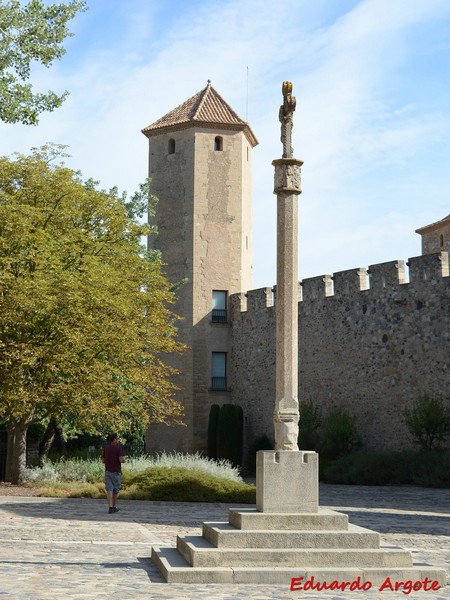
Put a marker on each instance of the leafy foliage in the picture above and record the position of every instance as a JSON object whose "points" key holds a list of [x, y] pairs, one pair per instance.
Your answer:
{"points": [[213, 421], [340, 436], [260, 442], [431, 469], [84, 310], [309, 426], [230, 424], [30, 33], [91, 470], [182, 485], [428, 422]]}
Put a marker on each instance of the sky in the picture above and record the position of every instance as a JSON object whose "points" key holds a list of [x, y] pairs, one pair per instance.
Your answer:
{"points": [[372, 124]]}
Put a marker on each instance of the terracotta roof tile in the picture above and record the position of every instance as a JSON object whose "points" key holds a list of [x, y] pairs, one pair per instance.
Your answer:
{"points": [[207, 108]]}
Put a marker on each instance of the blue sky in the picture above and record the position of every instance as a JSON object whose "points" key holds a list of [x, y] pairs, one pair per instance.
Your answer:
{"points": [[372, 125]]}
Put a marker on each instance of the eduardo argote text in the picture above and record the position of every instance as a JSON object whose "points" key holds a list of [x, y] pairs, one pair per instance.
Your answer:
{"points": [[406, 587]]}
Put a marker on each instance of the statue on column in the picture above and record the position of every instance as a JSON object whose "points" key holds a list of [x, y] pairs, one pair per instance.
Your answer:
{"points": [[286, 117]]}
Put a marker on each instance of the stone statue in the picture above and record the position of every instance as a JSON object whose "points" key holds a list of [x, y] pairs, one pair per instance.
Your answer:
{"points": [[286, 117]]}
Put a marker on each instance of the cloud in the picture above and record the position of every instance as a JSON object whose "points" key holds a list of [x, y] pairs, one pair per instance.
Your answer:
{"points": [[364, 125]]}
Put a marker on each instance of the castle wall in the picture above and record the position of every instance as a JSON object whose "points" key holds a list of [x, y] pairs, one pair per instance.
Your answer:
{"points": [[370, 342]]}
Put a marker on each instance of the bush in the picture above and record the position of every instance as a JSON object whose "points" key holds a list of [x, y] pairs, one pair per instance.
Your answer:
{"points": [[428, 422], [309, 426], [430, 469], [340, 435], [381, 468], [92, 470], [260, 442], [212, 430], [183, 485], [230, 433]]}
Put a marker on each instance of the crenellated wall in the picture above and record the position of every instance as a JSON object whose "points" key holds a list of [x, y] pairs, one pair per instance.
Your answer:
{"points": [[371, 341]]}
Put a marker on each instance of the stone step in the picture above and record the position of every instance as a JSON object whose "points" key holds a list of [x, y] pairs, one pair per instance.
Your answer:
{"points": [[198, 552], [224, 535], [324, 519], [175, 569]]}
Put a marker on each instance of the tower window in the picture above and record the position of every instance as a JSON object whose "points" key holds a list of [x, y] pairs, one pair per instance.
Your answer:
{"points": [[441, 240], [219, 307], [218, 143], [219, 371], [171, 146]]}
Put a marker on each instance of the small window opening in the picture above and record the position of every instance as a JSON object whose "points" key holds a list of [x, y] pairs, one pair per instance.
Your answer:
{"points": [[441, 240], [219, 371], [218, 143], [171, 148], [219, 306]]}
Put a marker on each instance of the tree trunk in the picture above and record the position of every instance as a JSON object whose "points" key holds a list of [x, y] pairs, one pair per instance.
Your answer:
{"points": [[16, 454], [59, 438], [47, 441], [53, 433]]}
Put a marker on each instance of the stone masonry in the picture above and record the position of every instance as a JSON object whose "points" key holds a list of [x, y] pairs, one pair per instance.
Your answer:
{"points": [[371, 342]]}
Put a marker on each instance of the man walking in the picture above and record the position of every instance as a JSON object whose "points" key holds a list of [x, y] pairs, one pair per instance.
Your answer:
{"points": [[112, 457]]}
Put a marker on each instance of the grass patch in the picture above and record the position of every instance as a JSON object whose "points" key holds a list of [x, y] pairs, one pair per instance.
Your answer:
{"points": [[73, 490]]}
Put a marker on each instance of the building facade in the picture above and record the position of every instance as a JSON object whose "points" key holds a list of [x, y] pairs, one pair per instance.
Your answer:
{"points": [[371, 341], [200, 164]]}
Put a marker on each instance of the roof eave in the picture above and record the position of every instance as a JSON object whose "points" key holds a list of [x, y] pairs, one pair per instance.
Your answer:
{"points": [[244, 127]]}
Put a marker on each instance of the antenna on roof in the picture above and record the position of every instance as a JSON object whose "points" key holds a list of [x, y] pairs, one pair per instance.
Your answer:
{"points": [[246, 106]]}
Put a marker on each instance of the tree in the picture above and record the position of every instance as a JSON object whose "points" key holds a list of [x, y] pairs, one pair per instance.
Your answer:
{"points": [[428, 422], [84, 309], [28, 34]]}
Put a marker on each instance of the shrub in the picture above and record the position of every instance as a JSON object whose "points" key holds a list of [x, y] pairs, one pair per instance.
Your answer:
{"points": [[260, 442], [428, 422], [182, 485], [309, 426], [229, 433], [431, 469], [92, 471], [212, 430], [340, 435], [379, 468]]}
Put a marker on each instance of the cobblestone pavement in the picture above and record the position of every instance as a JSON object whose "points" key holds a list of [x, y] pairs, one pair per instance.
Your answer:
{"points": [[72, 548]]}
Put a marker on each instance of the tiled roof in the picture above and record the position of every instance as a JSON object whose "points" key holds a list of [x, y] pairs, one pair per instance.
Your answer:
{"points": [[436, 225], [207, 108]]}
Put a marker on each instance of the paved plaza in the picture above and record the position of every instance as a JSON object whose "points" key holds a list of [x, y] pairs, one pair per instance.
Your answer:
{"points": [[72, 548]]}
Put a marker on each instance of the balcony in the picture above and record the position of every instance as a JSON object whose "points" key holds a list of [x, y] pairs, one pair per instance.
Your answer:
{"points": [[219, 383], [219, 315]]}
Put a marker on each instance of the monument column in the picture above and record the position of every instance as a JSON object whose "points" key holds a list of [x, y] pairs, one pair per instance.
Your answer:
{"points": [[296, 473]]}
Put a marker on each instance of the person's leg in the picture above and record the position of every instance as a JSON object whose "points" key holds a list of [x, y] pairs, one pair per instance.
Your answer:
{"points": [[117, 484], [109, 484]]}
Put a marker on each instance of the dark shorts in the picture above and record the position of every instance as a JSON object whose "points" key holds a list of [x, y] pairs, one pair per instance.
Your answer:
{"points": [[113, 482]]}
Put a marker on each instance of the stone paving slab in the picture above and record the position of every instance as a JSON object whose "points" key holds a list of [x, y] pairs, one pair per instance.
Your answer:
{"points": [[72, 548]]}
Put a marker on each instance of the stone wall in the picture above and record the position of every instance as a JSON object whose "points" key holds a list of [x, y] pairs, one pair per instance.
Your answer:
{"points": [[369, 341]]}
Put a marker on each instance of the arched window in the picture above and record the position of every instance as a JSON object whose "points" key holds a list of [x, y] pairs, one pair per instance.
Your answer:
{"points": [[441, 240], [171, 147], [218, 143]]}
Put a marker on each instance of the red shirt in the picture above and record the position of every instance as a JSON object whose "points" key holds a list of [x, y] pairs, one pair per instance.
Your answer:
{"points": [[110, 457]]}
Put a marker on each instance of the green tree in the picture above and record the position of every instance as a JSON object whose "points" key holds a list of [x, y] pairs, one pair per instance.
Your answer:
{"points": [[84, 309], [30, 33], [428, 422]]}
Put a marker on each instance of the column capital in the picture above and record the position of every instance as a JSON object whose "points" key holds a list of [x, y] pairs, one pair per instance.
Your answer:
{"points": [[287, 176]]}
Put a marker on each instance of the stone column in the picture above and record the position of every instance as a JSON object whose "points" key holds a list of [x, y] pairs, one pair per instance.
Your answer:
{"points": [[286, 479], [286, 415]]}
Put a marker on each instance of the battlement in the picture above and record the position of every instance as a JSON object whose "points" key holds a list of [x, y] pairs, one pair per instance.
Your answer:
{"points": [[379, 279]]}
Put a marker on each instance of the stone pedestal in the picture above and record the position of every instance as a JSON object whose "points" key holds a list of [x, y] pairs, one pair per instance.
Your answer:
{"points": [[287, 482]]}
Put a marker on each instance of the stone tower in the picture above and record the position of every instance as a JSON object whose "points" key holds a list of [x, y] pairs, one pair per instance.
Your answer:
{"points": [[436, 237], [200, 164]]}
